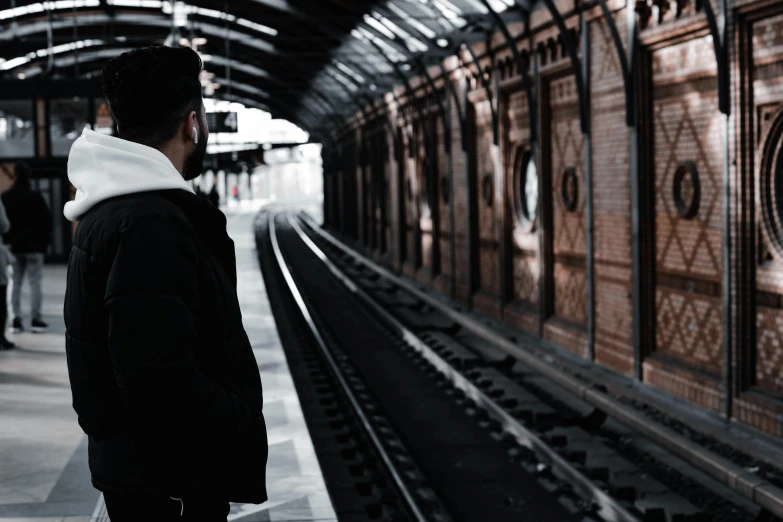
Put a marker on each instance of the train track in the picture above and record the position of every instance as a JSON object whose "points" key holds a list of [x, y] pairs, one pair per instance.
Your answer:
{"points": [[579, 462]]}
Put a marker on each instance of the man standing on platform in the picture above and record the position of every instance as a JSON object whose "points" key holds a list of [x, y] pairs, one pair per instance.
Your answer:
{"points": [[214, 195], [28, 239], [163, 376]]}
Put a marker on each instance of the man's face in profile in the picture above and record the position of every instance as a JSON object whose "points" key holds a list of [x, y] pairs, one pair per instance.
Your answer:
{"points": [[194, 163]]}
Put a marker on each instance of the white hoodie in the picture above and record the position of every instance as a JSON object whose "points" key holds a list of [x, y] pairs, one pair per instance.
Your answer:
{"points": [[103, 167]]}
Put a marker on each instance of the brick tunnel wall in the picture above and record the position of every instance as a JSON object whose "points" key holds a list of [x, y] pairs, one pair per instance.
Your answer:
{"points": [[477, 211]]}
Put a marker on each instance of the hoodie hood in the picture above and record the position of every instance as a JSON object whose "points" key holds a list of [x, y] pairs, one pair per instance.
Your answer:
{"points": [[103, 167]]}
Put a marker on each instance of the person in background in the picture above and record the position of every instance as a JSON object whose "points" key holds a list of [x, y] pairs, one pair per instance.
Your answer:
{"points": [[214, 195], [5, 259], [197, 189], [28, 238]]}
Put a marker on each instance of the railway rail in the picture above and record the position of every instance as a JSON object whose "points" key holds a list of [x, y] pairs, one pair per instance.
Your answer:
{"points": [[548, 444]]}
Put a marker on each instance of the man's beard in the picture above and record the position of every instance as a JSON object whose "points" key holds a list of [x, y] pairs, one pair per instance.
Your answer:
{"points": [[194, 163]]}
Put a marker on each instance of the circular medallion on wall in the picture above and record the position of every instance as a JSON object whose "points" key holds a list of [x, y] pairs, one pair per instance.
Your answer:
{"points": [[687, 190], [525, 190], [769, 185], [569, 189], [488, 189], [445, 189]]}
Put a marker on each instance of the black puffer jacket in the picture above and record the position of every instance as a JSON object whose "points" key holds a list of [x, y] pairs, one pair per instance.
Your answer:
{"points": [[31, 220], [163, 376]]}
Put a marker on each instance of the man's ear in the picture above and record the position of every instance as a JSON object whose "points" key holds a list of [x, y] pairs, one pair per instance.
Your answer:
{"points": [[187, 129]]}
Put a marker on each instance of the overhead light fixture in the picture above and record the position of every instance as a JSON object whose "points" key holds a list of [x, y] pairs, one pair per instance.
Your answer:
{"points": [[442, 42], [180, 14]]}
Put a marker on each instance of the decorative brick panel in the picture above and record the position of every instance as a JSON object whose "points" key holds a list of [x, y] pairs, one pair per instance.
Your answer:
{"points": [[767, 37], [769, 346], [690, 329], [525, 278], [525, 242], [488, 227], [689, 267], [568, 227]]}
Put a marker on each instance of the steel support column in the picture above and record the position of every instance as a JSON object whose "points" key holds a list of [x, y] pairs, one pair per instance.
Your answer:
{"points": [[436, 253], [588, 170], [719, 29], [495, 143], [452, 202]]}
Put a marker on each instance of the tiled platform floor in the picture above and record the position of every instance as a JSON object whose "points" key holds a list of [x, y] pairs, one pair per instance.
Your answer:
{"points": [[43, 461]]}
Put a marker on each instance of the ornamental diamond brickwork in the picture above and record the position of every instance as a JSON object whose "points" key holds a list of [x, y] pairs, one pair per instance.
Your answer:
{"points": [[570, 292], [691, 247], [689, 265], [769, 327], [689, 329], [568, 228]]}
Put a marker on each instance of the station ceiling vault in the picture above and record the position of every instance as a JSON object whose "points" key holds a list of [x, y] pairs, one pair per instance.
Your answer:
{"points": [[309, 61]]}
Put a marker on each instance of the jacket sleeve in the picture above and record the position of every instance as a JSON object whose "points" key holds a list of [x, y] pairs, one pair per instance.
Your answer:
{"points": [[152, 298], [5, 224]]}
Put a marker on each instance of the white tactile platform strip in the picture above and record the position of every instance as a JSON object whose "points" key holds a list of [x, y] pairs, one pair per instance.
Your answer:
{"points": [[43, 459]]}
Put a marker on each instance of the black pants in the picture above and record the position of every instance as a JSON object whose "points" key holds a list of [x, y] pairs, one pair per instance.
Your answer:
{"points": [[3, 309], [129, 507]]}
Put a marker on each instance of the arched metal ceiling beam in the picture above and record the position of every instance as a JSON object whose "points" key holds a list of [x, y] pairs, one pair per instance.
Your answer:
{"points": [[362, 107], [260, 99], [68, 59], [93, 55], [284, 6], [47, 8], [148, 20]]}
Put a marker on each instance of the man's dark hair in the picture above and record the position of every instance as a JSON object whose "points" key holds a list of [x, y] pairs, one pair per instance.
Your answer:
{"points": [[151, 90], [22, 171]]}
